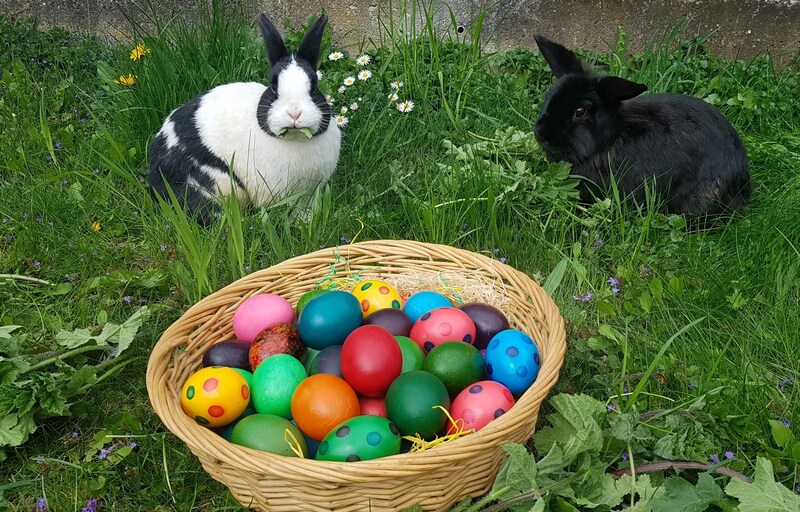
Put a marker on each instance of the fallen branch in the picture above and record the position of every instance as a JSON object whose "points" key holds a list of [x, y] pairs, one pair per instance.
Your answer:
{"points": [[652, 467]]}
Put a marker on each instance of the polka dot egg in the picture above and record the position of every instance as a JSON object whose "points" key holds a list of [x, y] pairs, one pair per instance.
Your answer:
{"points": [[512, 359], [360, 438], [440, 325], [375, 295], [215, 396], [481, 403]]}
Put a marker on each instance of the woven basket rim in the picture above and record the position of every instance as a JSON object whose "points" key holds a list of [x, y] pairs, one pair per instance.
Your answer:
{"points": [[199, 438]]}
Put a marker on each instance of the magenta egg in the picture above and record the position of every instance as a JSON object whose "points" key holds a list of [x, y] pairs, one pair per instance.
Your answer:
{"points": [[441, 325], [258, 312], [481, 403]]}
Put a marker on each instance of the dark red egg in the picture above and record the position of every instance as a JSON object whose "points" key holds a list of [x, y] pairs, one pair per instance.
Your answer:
{"points": [[371, 359], [278, 339], [488, 321], [393, 320], [374, 406]]}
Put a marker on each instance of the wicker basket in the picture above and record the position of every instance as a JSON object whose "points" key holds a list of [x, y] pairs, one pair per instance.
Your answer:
{"points": [[433, 479]]}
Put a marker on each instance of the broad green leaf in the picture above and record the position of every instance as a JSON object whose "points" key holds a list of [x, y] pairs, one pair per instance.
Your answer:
{"points": [[519, 469], [781, 434], [676, 286], [764, 494], [6, 330], [646, 493], [556, 276], [627, 428], [129, 329], [74, 339], [15, 429], [600, 489], [646, 302], [681, 496], [575, 426], [656, 288]]}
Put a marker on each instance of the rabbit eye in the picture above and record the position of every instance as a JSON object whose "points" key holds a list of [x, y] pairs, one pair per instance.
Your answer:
{"points": [[580, 112]]}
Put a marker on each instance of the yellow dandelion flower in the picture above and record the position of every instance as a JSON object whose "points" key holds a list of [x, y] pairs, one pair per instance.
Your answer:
{"points": [[139, 51], [126, 80], [96, 226]]}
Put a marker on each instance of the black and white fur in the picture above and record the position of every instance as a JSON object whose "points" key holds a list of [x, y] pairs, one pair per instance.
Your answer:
{"points": [[226, 140], [680, 146]]}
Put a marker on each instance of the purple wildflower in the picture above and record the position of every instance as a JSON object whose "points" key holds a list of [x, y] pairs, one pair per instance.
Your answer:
{"points": [[464, 227], [597, 243], [614, 282], [41, 505], [691, 386], [38, 218], [797, 488], [147, 258], [5, 220], [36, 263], [714, 458], [782, 384], [128, 299], [321, 246], [25, 215], [39, 459], [786, 422], [91, 506], [49, 158], [624, 456], [502, 259], [730, 455], [94, 253], [58, 145], [10, 237], [105, 452], [584, 297], [495, 250], [162, 247], [247, 267], [132, 445], [95, 171], [611, 407], [135, 212], [345, 240], [74, 435]]}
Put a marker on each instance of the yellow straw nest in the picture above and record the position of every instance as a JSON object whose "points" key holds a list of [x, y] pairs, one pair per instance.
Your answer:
{"points": [[434, 477]]}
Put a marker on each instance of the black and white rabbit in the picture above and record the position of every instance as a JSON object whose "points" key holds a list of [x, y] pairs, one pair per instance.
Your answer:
{"points": [[258, 141], [681, 147]]}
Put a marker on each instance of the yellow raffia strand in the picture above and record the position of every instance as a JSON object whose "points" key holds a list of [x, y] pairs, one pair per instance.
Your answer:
{"points": [[289, 437], [420, 445]]}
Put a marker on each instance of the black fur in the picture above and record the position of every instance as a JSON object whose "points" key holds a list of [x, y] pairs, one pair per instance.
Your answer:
{"points": [[682, 147]]}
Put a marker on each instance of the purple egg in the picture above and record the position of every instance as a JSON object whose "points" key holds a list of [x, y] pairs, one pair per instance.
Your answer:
{"points": [[327, 361], [393, 320], [488, 321]]}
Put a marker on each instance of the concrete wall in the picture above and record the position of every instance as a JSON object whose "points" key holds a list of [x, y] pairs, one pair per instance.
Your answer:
{"points": [[740, 28]]}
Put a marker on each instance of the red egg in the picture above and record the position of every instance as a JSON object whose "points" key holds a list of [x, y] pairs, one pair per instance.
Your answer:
{"points": [[440, 325], [481, 403], [373, 406], [370, 360]]}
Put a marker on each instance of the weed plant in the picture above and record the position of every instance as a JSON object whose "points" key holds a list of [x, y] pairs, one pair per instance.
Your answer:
{"points": [[681, 345]]}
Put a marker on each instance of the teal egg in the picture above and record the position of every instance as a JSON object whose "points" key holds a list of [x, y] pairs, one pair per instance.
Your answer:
{"points": [[328, 319], [360, 438], [274, 382]]}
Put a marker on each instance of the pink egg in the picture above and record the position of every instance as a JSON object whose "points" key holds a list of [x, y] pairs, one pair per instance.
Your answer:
{"points": [[258, 312], [480, 403], [440, 325]]}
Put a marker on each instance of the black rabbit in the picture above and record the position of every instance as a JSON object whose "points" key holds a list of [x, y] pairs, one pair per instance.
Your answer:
{"points": [[680, 146]]}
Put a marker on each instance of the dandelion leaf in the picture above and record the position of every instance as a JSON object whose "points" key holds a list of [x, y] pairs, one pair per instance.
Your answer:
{"points": [[681, 496], [518, 471], [15, 428], [306, 132], [764, 494], [575, 426]]}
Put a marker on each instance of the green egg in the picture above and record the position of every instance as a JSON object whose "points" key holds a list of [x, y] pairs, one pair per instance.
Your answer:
{"points": [[413, 355], [267, 432], [306, 298], [360, 438], [227, 430], [274, 382], [456, 364], [411, 404]]}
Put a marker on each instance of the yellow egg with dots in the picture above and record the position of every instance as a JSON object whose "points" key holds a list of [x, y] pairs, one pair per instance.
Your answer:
{"points": [[374, 295], [215, 396]]}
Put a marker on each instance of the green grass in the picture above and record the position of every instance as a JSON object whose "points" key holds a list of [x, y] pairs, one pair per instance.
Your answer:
{"points": [[74, 145]]}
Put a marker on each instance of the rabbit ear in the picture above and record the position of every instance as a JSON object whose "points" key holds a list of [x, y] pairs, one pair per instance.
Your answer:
{"points": [[276, 50], [613, 89], [561, 60], [309, 48]]}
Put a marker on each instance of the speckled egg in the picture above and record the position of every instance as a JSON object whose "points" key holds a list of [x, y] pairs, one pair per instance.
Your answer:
{"points": [[488, 321], [360, 438], [480, 403], [277, 339], [328, 319], [258, 312], [374, 295], [512, 359], [422, 302], [215, 396], [441, 325]]}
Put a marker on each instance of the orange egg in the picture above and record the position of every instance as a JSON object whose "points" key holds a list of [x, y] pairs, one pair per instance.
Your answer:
{"points": [[321, 402]]}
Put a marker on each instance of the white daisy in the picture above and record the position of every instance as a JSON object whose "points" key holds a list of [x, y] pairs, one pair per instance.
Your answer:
{"points": [[363, 60], [344, 110], [405, 106], [341, 120], [319, 75], [336, 56], [328, 99], [364, 74], [394, 97], [397, 84], [354, 106], [342, 89], [349, 80]]}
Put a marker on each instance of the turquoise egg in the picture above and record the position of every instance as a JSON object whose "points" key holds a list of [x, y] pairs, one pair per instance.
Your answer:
{"points": [[424, 301], [360, 438], [328, 319], [512, 359]]}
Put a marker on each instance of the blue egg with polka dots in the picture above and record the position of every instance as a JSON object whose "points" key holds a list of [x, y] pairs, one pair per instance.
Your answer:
{"points": [[423, 302], [512, 359], [364, 437]]}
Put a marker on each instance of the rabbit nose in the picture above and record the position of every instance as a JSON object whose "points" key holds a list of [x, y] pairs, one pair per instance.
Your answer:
{"points": [[295, 114]]}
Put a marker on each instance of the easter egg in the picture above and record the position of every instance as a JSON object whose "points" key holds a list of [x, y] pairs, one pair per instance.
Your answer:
{"points": [[456, 364], [231, 353], [393, 320], [374, 295], [488, 321], [360, 438], [371, 359], [274, 383], [277, 339], [215, 396], [327, 361], [258, 312], [307, 297], [512, 359], [226, 431], [422, 302], [413, 355], [321, 402], [328, 319], [248, 377], [374, 406], [267, 432], [410, 402], [313, 444], [481, 403], [440, 325]]}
